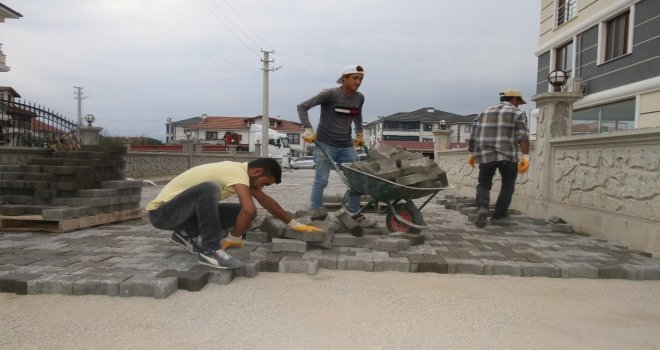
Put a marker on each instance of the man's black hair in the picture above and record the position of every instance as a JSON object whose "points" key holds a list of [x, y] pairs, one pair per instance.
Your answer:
{"points": [[507, 98], [271, 167]]}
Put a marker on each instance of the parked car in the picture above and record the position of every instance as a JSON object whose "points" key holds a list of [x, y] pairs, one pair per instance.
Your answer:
{"points": [[306, 162]]}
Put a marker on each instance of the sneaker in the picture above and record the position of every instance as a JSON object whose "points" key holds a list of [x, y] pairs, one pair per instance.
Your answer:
{"points": [[318, 213], [503, 222], [220, 260], [364, 222], [482, 217], [190, 244]]}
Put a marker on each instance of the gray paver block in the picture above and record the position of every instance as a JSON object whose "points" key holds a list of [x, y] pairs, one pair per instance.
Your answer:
{"points": [[99, 284], [544, 269], [495, 267], [258, 236], [360, 263], [651, 272], [52, 284], [622, 271], [241, 254], [290, 264], [16, 282], [400, 264], [222, 277], [391, 244], [576, 270], [251, 268], [274, 226], [565, 228], [467, 266], [326, 260], [288, 245], [148, 286], [344, 240]]}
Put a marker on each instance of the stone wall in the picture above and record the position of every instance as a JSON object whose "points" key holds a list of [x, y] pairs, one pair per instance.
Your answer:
{"points": [[144, 165], [606, 184]]}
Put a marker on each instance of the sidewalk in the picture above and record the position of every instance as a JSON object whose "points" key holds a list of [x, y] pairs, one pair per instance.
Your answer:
{"points": [[134, 259]]}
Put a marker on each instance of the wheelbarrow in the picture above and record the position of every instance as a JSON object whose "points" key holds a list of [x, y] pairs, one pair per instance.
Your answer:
{"points": [[402, 215]]}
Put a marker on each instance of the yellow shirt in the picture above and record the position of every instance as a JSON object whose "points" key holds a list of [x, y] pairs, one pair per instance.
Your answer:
{"points": [[224, 174]]}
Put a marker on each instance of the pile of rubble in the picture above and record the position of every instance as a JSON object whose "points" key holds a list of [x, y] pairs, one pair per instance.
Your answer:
{"points": [[403, 167]]}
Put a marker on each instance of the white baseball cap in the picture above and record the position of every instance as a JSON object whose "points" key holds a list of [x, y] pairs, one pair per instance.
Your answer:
{"points": [[513, 93], [350, 69]]}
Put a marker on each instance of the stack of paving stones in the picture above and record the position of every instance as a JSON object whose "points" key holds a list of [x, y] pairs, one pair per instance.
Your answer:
{"points": [[67, 185], [135, 259], [403, 167]]}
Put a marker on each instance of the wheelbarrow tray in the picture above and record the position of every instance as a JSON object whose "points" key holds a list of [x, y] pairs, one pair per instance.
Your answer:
{"points": [[381, 189]]}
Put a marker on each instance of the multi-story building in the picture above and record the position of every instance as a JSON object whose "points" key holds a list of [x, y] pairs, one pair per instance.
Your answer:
{"points": [[212, 129], [6, 12], [611, 51], [414, 130]]}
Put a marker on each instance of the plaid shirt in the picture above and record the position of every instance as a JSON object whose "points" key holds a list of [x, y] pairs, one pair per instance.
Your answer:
{"points": [[496, 133]]}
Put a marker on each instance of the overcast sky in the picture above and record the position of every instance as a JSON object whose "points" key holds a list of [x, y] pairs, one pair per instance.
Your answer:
{"points": [[142, 61]]}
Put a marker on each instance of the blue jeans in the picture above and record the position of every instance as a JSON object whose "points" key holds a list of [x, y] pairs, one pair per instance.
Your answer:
{"points": [[323, 167], [197, 211], [509, 172]]}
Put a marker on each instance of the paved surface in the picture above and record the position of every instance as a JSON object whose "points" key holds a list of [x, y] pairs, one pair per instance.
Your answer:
{"points": [[134, 259]]}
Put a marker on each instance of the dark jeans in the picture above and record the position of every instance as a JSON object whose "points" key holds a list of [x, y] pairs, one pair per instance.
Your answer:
{"points": [[197, 211], [509, 172]]}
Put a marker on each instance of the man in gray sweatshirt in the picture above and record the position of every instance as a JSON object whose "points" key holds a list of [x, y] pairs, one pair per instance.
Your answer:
{"points": [[340, 107]]}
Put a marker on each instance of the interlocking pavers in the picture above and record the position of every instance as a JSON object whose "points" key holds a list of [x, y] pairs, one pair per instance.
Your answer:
{"points": [[148, 286]]}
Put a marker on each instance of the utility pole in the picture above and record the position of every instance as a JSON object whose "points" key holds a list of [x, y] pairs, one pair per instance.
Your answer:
{"points": [[79, 98], [264, 118]]}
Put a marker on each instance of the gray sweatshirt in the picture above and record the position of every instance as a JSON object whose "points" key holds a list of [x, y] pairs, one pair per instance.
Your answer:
{"points": [[338, 111]]}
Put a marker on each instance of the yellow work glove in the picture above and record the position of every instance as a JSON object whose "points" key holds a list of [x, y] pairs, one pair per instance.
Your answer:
{"points": [[471, 159], [359, 140], [523, 166], [309, 136], [231, 242], [296, 226]]}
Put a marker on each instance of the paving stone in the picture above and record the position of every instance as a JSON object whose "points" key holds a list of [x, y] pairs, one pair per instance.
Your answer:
{"points": [[326, 259], [391, 244], [576, 270], [400, 264], [414, 238], [148, 286], [258, 236], [251, 268], [15, 282], [617, 271], [52, 284], [529, 269], [220, 276], [565, 228], [107, 284], [288, 245], [289, 264], [647, 272], [347, 262], [344, 240], [432, 264], [275, 227], [192, 280], [468, 266], [494, 267]]}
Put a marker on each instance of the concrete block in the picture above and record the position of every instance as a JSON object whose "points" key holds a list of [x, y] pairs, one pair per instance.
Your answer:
{"points": [[650, 272], [107, 284], [435, 264], [411, 180], [148, 286], [623, 271], [399, 264], [192, 280], [274, 226], [495, 267], [290, 264], [15, 282], [251, 268], [467, 266], [258, 236], [388, 169], [52, 284], [565, 228], [288, 245], [360, 263], [576, 270], [391, 244], [222, 277], [414, 238], [544, 269], [414, 166], [381, 151], [241, 254], [344, 240]]}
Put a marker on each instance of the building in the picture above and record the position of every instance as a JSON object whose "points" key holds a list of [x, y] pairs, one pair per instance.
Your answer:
{"points": [[414, 130], [611, 51], [212, 129], [6, 12]]}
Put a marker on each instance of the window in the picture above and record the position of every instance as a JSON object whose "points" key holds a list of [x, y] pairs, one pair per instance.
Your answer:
{"points": [[294, 139], [400, 138], [566, 10], [428, 127], [616, 36], [564, 58], [616, 116], [211, 135], [424, 139], [467, 128]]}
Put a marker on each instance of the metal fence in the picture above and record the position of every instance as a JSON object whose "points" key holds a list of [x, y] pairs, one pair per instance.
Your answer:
{"points": [[25, 124]]}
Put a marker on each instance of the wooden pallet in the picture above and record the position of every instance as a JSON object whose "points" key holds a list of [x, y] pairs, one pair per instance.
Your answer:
{"points": [[24, 223]]}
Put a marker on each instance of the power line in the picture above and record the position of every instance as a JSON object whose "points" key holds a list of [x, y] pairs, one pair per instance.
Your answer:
{"points": [[246, 24], [216, 11]]}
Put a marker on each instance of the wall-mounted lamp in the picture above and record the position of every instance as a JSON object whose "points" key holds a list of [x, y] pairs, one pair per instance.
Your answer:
{"points": [[557, 79]]}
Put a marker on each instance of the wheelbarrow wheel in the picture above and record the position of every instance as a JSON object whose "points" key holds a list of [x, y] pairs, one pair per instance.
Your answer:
{"points": [[408, 212]]}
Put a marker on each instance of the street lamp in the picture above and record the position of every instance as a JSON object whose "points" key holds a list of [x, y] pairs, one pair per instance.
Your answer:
{"points": [[557, 79], [90, 118], [443, 124], [188, 133]]}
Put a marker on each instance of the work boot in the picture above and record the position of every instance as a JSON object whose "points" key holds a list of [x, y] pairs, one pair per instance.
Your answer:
{"points": [[503, 222], [318, 213], [482, 217]]}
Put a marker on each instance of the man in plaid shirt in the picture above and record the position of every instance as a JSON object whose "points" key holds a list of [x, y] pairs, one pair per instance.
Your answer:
{"points": [[496, 135]]}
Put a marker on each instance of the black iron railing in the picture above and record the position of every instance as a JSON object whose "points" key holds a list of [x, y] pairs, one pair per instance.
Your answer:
{"points": [[25, 124]]}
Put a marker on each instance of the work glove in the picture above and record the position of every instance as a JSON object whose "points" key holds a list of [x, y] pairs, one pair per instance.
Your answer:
{"points": [[523, 166], [296, 226], [471, 160], [359, 140], [231, 242], [309, 136]]}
